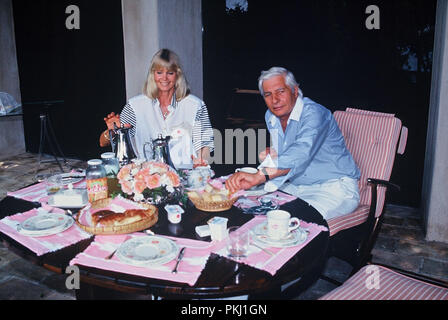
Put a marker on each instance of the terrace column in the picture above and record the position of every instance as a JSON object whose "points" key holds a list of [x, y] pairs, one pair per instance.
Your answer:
{"points": [[435, 181], [149, 25]]}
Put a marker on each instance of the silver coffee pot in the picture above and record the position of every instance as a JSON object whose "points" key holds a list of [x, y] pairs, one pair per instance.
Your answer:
{"points": [[160, 150], [122, 146]]}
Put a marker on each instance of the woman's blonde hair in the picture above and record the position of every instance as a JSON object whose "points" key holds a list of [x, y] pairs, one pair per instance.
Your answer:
{"points": [[166, 58]]}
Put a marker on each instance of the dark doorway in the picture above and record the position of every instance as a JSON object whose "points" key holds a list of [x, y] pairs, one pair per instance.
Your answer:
{"points": [[81, 69], [336, 59]]}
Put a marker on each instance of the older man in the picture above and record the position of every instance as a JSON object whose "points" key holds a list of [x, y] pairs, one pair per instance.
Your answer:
{"points": [[308, 157]]}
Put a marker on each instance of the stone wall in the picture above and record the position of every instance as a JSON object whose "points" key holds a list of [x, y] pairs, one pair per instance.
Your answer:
{"points": [[434, 194]]}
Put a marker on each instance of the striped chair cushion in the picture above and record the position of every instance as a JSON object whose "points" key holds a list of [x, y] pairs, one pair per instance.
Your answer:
{"points": [[349, 220], [404, 130], [374, 282], [372, 140], [368, 112]]}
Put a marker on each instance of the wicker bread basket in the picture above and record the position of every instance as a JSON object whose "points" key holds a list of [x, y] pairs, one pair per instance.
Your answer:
{"points": [[213, 206], [152, 213]]}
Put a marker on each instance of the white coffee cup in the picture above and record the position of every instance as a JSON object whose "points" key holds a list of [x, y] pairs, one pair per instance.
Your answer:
{"points": [[280, 224], [247, 170]]}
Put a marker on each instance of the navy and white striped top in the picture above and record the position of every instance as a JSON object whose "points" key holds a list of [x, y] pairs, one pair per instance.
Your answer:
{"points": [[202, 130]]}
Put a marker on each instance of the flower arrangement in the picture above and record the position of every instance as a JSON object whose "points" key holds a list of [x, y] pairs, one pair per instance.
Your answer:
{"points": [[151, 182]]}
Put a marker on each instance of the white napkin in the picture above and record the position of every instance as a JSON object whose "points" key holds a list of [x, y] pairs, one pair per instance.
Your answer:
{"points": [[268, 162]]}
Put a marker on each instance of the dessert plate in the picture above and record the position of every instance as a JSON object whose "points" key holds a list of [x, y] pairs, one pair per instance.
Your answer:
{"points": [[294, 238], [147, 250], [45, 224]]}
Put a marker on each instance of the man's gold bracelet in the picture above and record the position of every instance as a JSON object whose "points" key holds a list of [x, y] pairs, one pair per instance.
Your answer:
{"points": [[106, 135]]}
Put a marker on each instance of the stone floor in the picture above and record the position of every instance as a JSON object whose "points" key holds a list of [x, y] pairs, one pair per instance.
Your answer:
{"points": [[401, 244]]}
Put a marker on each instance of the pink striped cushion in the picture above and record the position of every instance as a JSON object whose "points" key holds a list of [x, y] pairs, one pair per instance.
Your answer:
{"points": [[349, 220], [372, 141], [374, 282], [368, 112]]}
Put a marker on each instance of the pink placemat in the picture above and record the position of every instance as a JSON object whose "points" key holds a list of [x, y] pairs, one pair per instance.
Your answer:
{"points": [[41, 245], [38, 192], [262, 260], [189, 269]]}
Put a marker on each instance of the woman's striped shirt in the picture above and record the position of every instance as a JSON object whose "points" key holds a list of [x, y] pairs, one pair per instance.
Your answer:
{"points": [[202, 129]]}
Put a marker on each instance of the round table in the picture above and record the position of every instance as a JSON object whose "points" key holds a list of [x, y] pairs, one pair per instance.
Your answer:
{"points": [[220, 278]]}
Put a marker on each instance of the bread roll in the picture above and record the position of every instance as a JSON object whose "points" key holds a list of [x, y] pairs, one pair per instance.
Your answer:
{"points": [[109, 218]]}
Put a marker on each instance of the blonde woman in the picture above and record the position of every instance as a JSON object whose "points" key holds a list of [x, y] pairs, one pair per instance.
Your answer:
{"points": [[168, 108]]}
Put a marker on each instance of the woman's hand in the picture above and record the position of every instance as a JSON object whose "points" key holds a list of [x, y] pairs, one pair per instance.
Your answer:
{"points": [[202, 159], [199, 162], [112, 118]]}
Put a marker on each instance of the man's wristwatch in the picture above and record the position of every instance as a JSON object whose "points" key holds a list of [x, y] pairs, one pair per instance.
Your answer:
{"points": [[265, 172]]}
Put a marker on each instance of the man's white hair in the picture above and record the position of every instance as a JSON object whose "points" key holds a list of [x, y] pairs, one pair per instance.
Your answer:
{"points": [[290, 80]]}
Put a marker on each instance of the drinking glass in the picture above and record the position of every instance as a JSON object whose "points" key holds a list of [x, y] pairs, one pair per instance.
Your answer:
{"points": [[238, 242]]}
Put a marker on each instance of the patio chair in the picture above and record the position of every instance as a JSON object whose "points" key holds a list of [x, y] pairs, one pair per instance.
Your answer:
{"points": [[377, 282], [373, 139]]}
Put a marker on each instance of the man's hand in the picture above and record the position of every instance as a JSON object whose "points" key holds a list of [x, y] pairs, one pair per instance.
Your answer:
{"points": [[243, 181]]}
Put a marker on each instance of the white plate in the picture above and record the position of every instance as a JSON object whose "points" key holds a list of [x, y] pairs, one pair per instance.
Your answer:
{"points": [[72, 178], [45, 224], [63, 206], [294, 238], [147, 250]]}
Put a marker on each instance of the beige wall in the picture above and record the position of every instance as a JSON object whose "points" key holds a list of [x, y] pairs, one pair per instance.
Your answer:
{"points": [[141, 41], [149, 25], [435, 184]]}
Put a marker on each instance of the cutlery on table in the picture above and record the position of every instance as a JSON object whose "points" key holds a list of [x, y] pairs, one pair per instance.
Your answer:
{"points": [[149, 232], [70, 213], [179, 257], [111, 255], [113, 252]]}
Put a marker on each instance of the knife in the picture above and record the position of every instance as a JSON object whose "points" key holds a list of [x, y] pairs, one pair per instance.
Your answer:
{"points": [[179, 257]]}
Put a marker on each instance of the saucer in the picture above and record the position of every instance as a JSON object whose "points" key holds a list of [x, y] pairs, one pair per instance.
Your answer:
{"points": [[45, 224], [294, 238]]}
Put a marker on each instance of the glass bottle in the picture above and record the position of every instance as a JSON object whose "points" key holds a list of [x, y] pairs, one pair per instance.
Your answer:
{"points": [[112, 166], [96, 180]]}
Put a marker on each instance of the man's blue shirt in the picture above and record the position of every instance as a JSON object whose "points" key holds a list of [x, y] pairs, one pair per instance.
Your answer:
{"points": [[312, 146]]}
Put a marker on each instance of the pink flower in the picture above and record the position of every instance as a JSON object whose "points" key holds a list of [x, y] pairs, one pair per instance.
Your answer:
{"points": [[124, 173], [126, 186], [139, 186], [174, 178], [159, 167], [152, 181], [142, 174]]}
